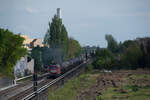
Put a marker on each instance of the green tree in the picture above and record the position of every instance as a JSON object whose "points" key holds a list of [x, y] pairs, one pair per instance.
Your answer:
{"points": [[11, 50], [104, 59], [112, 43], [127, 44], [46, 56], [57, 36], [65, 41], [74, 48], [131, 56]]}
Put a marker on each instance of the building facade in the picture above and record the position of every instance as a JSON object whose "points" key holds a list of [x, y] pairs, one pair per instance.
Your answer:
{"points": [[24, 67], [30, 43]]}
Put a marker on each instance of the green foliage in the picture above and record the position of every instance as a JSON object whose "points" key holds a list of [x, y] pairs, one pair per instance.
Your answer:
{"points": [[127, 54], [64, 41], [104, 53], [74, 48], [135, 88], [132, 55], [104, 59], [46, 56], [132, 93], [145, 47], [73, 87], [112, 43], [46, 38], [57, 36], [11, 50], [128, 43], [125, 44], [98, 98], [89, 68], [57, 39]]}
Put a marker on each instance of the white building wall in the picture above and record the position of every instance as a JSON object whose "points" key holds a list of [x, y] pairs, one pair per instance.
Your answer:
{"points": [[30, 66], [22, 65], [19, 68]]}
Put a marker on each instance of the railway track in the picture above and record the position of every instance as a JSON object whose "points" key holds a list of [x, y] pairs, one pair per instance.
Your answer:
{"points": [[29, 90], [44, 87], [5, 92], [25, 91], [13, 92]]}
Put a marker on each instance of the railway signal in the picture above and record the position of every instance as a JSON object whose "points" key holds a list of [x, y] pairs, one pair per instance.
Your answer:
{"points": [[35, 85], [35, 82]]}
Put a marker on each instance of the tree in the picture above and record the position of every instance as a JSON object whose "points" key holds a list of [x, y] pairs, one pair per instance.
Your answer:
{"points": [[46, 56], [104, 59], [74, 48], [112, 43], [11, 50], [57, 36], [64, 41], [46, 39], [132, 55], [104, 53]]}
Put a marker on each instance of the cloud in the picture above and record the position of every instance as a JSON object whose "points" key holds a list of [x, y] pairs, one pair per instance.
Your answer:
{"points": [[31, 10]]}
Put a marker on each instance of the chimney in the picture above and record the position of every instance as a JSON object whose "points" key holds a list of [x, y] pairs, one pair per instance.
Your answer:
{"points": [[58, 12]]}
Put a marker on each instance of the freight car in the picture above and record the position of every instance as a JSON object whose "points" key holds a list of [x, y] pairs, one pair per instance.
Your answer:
{"points": [[56, 70]]}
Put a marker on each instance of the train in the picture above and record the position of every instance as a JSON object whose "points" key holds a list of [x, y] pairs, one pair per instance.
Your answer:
{"points": [[55, 70]]}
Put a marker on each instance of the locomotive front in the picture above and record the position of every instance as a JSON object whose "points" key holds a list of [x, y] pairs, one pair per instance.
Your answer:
{"points": [[54, 70]]}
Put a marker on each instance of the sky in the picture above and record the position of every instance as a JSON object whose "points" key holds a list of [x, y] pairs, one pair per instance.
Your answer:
{"points": [[86, 20]]}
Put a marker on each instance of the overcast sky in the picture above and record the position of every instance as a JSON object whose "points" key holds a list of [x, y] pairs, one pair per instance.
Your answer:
{"points": [[86, 20]]}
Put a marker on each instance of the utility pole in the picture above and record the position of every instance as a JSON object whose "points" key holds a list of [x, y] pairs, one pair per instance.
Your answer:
{"points": [[35, 79]]}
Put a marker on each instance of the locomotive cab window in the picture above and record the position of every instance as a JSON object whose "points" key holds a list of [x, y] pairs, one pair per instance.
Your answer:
{"points": [[53, 67]]}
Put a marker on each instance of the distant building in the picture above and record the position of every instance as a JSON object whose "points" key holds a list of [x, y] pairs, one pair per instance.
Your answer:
{"points": [[27, 41], [30, 43], [36, 42]]}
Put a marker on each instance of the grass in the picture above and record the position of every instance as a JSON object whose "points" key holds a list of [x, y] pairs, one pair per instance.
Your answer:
{"points": [[139, 76], [128, 91], [142, 93], [71, 88], [138, 79], [1, 74]]}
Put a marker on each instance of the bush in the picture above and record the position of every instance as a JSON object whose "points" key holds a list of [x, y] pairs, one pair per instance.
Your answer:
{"points": [[89, 68], [104, 59], [11, 50], [135, 88], [132, 56]]}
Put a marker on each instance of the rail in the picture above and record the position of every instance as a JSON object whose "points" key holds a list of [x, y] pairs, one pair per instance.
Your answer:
{"points": [[18, 79], [30, 76]]}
